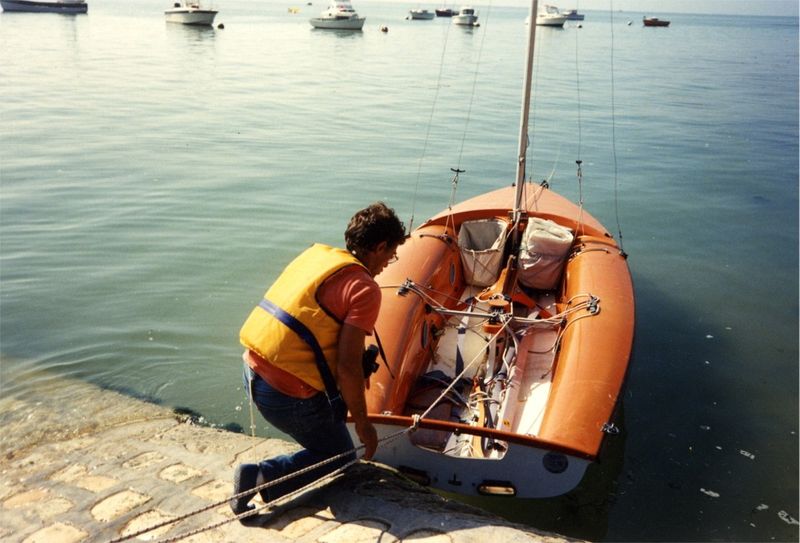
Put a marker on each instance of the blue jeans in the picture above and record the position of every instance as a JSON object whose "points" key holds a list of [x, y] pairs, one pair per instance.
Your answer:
{"points": [[311, 423]]}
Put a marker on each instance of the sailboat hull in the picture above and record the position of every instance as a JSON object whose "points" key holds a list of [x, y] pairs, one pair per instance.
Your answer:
{"points": [[532, 400], [526, 471]]}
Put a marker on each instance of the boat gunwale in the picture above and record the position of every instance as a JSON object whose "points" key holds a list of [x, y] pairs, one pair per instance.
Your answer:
{"points": [[459, 428], [544, 203]]}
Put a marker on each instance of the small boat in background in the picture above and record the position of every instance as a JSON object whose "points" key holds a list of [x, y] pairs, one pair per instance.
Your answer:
{"points": [[466, 17], [445, 12], [550, 16], [654, 21], [573, 15], [39, 6], [340, 15], [190, 13], [420, 15]]}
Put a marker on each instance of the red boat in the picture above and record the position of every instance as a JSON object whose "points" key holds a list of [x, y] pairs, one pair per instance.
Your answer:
{"points": [[654, 21]]}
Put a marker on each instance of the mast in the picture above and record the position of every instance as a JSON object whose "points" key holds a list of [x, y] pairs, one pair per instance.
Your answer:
{"points": [[526, 102]]}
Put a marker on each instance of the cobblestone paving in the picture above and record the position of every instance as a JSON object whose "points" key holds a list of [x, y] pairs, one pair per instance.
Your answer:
{"points": [[115, 466]]}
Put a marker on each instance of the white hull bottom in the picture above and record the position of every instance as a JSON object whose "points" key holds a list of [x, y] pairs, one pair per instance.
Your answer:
{"points": [[338, 24], [551, 21], [193, 17], [523, 472]]}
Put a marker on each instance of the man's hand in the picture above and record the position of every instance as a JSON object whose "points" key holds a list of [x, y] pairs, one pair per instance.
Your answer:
{"points": [[350, 377], [369, 437]]}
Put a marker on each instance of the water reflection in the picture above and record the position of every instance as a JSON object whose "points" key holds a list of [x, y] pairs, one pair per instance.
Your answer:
{"points": [[339, 33], [192, 43], [195, 33]]}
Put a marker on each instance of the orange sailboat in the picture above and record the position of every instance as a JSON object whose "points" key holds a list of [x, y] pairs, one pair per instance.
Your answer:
{"points": [[505, 330]]}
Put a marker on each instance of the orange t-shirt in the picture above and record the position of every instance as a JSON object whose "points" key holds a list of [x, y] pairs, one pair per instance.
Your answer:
{"points": [[352, 296]]}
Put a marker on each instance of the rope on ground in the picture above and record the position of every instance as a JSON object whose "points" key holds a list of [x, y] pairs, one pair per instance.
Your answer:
{"points": [[257, 510], [258, 488]]}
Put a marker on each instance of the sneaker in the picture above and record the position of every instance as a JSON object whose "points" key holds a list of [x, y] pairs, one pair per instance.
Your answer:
{"points": [[244, 478]]}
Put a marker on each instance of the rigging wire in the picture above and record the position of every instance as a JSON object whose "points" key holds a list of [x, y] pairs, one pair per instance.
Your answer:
{"points": [[578, 84], [529, 156], [458, 168], [428, 130], [614, 135], [474, 84], [578, 160]]}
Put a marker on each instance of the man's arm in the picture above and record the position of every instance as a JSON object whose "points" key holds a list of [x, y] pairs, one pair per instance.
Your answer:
{"points": [[350, 377]]}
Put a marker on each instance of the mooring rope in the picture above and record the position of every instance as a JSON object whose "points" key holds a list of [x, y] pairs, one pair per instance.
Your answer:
{"points": [[285, 498], [258, 488], [251, 403], [257, 510]]}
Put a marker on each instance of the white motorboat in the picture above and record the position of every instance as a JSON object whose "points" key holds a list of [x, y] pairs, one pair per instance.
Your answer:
{"points": [[190, 13], [421, 15], [340, 15], [550, 16], [38, 6], [466, 17]]}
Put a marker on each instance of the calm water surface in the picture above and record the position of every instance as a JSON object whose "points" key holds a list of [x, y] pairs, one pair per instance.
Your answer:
{"points": [[155, 178]]}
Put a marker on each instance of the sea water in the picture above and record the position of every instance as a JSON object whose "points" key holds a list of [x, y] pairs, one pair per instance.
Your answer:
{"points": [[154, 179]]}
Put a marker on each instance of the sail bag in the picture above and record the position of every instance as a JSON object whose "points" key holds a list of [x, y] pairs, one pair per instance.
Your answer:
{"points": [[542, 253], [482, 244]]}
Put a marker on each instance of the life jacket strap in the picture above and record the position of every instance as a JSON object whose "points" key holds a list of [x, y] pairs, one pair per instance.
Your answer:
{"points": [[331, 390]]}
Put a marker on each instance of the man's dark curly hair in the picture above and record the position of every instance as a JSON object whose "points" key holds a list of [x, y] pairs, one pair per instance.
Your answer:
{"points": [[372, 225]]}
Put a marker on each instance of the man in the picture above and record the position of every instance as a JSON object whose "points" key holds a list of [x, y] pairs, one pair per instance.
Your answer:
{"points": [[304, 345]]}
